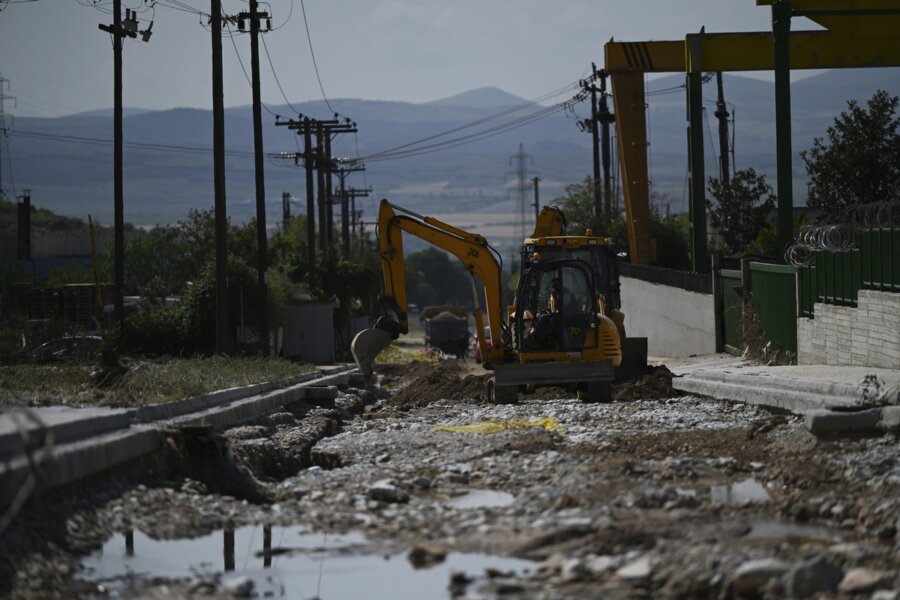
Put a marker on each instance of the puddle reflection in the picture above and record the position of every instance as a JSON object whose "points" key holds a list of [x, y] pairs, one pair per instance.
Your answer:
{"points": [[742, 492], [298, 565], [481, 499]]}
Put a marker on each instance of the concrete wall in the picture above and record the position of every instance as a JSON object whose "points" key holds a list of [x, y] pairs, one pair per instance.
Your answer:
{"points": [[866, 336], [676, 323]]}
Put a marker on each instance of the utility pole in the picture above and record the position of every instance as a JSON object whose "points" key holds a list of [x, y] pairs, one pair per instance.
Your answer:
{"points": [[3, 128], [310, 204], [342, 172], [590, 125], [286, 200], [120, 30], [223, 337], [606, 118], [722, 115], [320, 176], [327, 166], [23, 240], [262, 253], [537, 203], [353, 194]]}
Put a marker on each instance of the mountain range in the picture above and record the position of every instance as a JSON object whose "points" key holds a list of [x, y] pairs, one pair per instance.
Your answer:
{"points": [[67, 161]]}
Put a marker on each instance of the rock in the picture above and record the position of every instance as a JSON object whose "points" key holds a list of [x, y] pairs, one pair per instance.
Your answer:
{"points": [[812, 576], [574, 569], [239, 587], [862, 580], [386, 490], [752, 576], [636, 569], [383, 458], [601, 564], [885, 595], [423, 556]]}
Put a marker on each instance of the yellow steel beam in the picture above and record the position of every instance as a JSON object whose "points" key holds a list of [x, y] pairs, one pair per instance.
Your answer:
{"points": [[855, 19], [631, 125], [648, 57], [752, 51]]}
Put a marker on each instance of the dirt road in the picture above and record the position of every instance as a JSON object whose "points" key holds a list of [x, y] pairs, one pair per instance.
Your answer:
{"points": [[425, 491]]}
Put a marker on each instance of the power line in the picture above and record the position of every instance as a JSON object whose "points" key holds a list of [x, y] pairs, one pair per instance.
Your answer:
{"points": [[313, 55], [275, 75], [477, 136], [491, 117], [136, 145]]}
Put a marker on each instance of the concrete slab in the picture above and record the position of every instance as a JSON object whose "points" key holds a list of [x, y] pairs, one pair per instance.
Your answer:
{"points": [[67, 425]]}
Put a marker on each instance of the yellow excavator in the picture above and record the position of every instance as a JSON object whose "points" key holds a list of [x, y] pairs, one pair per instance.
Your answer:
{"points": [[563, 327]]}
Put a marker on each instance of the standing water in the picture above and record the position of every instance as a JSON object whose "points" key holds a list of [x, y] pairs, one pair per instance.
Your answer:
{"points": [[284, 562]]}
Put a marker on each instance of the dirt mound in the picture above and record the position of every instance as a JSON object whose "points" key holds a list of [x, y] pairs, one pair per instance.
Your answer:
{"points": [[656, 382], [425, 383]]}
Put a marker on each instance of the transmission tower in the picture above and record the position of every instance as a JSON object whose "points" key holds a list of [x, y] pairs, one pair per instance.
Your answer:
{"points": [[522, 192]]}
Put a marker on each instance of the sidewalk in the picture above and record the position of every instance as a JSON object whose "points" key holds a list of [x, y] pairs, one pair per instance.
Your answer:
{"points": [[832, 398]]}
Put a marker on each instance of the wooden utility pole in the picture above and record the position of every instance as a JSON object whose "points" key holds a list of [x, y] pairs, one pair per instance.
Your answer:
{"points": [[344, 168], [223, 337], [722, 115], [310, 203], [320, 176], [119, 30], [606, 118], [537, 203], [261, 240]]}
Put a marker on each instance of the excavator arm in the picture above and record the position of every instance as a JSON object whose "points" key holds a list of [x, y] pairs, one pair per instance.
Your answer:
{"points": [[472, 249]]}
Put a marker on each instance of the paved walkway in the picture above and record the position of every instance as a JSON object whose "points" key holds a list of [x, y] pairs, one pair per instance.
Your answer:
{"points": [[832, 398]]}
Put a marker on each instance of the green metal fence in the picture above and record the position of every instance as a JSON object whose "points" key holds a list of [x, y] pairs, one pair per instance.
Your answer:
{"points": [[880, 249], [837, 277], [774, 292], [731, 300]]}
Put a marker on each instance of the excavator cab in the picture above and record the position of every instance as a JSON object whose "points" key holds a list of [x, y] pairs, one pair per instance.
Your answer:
{"points": [[556, 308]]}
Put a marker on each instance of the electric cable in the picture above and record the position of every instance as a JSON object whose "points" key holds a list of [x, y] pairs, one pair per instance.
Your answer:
{"points": [[136, 145], [247, 77], [313, 55]]}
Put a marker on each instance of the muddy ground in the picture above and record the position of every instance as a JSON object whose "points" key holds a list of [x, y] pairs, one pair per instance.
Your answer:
{"points": [[655, 495]]}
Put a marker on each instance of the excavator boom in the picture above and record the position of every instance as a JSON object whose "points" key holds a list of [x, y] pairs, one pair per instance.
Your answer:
{"points": [[477, 256]]}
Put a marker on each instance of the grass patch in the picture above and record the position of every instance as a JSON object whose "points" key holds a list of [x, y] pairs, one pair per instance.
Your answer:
{"points": [[146, 382]]}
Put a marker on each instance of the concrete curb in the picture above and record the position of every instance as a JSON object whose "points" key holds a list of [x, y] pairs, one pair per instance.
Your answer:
{"points": [[827, 407], [85, 423], [844, 392], [784, 398], [110, 441]]}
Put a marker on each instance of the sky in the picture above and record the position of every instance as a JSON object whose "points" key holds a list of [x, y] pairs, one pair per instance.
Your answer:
{"points": [[58, 62]]}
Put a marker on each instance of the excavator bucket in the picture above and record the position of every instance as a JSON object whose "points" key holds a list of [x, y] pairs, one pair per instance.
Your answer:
{"points": [[366, 346]]}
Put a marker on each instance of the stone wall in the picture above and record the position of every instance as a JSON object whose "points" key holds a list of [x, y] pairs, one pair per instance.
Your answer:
{"points": [[866, 336], [676, 322]]}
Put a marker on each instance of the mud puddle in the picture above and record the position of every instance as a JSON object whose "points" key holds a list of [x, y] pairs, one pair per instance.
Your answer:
{"points": [[747, 491], [481, 499], [287, 562]]}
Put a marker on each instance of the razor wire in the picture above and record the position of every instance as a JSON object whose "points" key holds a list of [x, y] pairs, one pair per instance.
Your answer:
{"points": [[841, 236], [35, 456]]}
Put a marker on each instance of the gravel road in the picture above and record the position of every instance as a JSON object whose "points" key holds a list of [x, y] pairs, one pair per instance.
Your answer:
{"points": [[422, 490]]}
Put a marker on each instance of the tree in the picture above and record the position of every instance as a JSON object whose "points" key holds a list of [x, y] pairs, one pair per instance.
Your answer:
{"points": [[434, 277], [860, 160], [672, 248], [741, 209]]}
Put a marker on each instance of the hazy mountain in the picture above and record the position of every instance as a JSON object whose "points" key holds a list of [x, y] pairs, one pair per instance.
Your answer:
{"points": [[486, 97], [70, 172]]}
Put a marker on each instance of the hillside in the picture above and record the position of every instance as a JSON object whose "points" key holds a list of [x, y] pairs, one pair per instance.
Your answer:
{"points": [[163, 183]]}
